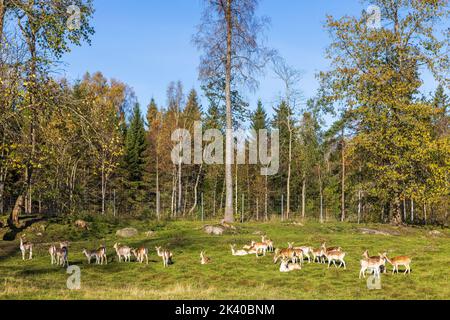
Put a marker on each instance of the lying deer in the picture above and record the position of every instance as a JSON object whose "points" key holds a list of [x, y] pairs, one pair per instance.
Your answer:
{"points": [[333, 256], [204, 259], [165, 255], [235, 252], [123, 251], [288, 267], [24, 247], [400, 261], [140, 254]]}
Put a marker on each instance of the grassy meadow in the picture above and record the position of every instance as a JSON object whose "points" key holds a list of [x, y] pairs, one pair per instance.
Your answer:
{"points": [[227, 277]]}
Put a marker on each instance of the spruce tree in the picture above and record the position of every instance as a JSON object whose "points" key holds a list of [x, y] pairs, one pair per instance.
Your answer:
{"points": [[135, 146]]}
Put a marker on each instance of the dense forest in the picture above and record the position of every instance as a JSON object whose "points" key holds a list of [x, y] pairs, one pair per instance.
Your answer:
{"points": [[88, 146]]}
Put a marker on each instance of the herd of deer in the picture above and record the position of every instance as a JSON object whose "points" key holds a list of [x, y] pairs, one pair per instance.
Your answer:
{"points": [[59, 255], [292, 258]]}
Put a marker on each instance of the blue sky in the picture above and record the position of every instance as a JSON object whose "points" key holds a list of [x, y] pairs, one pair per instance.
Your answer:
{"points": [[147, 44]]}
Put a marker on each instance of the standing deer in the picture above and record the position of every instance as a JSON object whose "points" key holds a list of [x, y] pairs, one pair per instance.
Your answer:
{"points": [[204, 258], [52, 252], [123, 251], [140, 254], [165, 255], [371, 263], [400, 261], [333, 256], [62, 256], [24, 247]]}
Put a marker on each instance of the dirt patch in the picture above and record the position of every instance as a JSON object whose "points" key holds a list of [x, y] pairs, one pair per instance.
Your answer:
{"points": [[379, 232]]}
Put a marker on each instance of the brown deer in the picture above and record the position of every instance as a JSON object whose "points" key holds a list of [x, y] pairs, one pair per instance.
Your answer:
{"points": [[204, 258], [400, 261]]}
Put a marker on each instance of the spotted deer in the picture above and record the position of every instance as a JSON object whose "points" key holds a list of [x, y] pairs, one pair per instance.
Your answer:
{"points": [[260, 248], [333, 256], [235, 252], [52, 252], [371, 263], [380, 258], [165, 255], [204, 258], [400, 261], [91, 254], [289, 254], [24, 247], [269, 243], [62, 256], [140, 254], [288, 267], [123, 251]]}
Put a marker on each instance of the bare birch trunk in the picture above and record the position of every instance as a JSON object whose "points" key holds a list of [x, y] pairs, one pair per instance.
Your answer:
{"points": [[304, 197], [194, 206], [158, 197], [288, 183], [229, 215], [343, 178]]}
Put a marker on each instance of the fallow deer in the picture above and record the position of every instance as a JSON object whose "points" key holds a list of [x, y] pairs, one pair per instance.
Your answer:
{"points": [[289, 254], [400, 261], [52, 252], [235, 252], [288, 267], [204, 258], [318, 255], [371, 263], [101, 252], [62, 256], [140, 254], [24, 247], [379, 258], [269, 243], [123, 251], [333, 256], [165, 255], [260, 248], [91, 254]]}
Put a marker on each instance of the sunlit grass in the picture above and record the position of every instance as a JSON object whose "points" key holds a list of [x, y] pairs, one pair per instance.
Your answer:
{"points": [[230, 277]]}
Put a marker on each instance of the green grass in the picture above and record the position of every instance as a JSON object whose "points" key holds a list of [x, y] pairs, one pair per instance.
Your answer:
{"points": [[227, 277]]}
